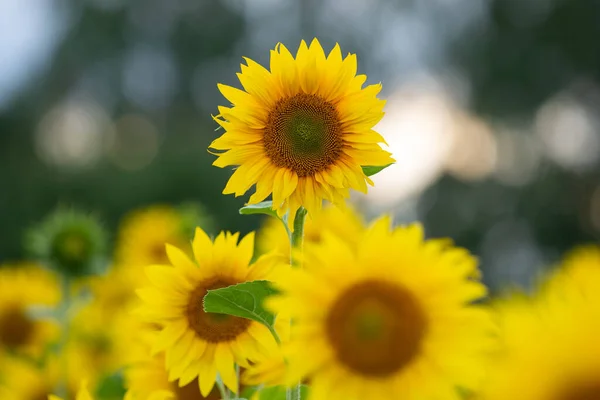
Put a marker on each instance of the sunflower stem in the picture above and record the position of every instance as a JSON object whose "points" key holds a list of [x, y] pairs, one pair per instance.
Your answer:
{"points": [[297, 241], [296, 245], [224, 392]]}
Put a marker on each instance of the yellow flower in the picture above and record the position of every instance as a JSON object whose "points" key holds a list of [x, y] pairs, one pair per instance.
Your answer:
{"points": [[550, 347], [271, 370], [101, 343], [21, 380], [22, 288], [199, 344], [82, 394], [388, 318], [302, 130], [344, 221], [147, 378], [143, 235]]}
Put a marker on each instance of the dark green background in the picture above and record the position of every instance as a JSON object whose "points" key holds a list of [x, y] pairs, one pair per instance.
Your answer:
{"points": [[514, 58]]}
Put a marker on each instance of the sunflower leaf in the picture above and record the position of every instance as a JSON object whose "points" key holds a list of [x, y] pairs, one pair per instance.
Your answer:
{"points": [[370, 170], [243, 300], [264, 207]]}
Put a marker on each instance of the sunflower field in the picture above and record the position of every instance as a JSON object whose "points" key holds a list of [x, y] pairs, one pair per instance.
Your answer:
{"points": [[389, 201]]}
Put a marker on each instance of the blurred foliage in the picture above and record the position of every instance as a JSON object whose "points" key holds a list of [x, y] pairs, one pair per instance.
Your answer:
{"points": [[515, 57]]}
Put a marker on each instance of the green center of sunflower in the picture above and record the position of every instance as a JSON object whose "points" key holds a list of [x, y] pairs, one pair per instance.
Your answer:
{"points": [[376, 328], [16, 328], [587, 391], [213, 328], [303, 133], [72, 249]]}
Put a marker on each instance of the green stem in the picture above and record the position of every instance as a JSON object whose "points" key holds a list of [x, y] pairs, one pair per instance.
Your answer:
{"points": [[224, 392], [297, 241], [296, 244], [274, 333]]}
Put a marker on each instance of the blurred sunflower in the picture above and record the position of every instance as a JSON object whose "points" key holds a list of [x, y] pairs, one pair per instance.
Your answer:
{"points": [[196, 343], [301, 131], [343, 221], [390, 318], [143, 234], [270, 370], [550, 348], [101, 343], [24, 287], [82, 394], [72, 242], [22, 380]]}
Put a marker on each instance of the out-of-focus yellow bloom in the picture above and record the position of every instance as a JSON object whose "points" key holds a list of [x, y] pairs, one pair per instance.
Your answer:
{"points": [[550, 341], [343, 221], [271, 370], [143, 234], [389, 318], [302, 130], [22, 380], [23, 289], [101, 344], [82, 394], [199, 344]]}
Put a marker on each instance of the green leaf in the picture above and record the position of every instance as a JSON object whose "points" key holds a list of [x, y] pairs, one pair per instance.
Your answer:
{"points": [[264, 207], [248, 392], [111, 387], [243, 300], [278, 393], [370, 170]]}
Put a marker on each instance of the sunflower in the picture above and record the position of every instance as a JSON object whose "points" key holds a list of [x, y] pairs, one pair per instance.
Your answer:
{"points": [[388, 318], [302, 130], [344, 221], [271, 370], [24, 287], [82, 394], [147, 379], [199, 344], [550, 348], [144, 232], [22, 380]]}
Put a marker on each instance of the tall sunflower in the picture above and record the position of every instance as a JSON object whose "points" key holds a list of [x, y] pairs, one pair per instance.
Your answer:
{"points": [[22, 287], [550, 347], [389, 318], [302, 130], [199, 344]]}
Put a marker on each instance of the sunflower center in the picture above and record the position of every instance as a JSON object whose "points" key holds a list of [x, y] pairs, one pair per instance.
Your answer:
{"points": [[191, 391], [16, 328], [303, 133], [213, 327], [581, 392], [376, 328]]}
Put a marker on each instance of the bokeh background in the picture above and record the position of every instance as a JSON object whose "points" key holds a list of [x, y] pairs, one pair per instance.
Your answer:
{"points": [[493, 112]]}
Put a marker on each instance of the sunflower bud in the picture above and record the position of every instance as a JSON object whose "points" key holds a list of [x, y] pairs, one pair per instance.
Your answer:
{"points": [[71, 242]]}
